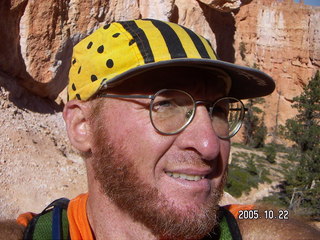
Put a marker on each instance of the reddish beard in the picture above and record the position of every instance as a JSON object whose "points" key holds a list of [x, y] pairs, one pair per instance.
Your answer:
{"points": [[120, 182]]}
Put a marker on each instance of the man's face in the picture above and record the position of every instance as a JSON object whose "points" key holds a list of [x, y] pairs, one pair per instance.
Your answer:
{"points": [[171, 184]]}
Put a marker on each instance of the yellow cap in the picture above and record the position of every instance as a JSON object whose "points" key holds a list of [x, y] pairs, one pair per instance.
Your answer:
{"points": [[120, 50]]}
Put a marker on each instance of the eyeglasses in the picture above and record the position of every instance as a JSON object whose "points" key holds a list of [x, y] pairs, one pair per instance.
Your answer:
{"points": [[172, 110]]}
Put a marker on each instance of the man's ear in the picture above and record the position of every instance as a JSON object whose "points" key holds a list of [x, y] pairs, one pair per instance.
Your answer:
{"points": [[76, 116]]}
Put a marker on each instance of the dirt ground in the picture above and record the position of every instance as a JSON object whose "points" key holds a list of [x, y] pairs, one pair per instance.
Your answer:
{"points": [[37, 165]]}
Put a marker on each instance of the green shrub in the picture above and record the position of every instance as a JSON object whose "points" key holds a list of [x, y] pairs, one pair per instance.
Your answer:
{"points": [[244, 173], [270, 153]]}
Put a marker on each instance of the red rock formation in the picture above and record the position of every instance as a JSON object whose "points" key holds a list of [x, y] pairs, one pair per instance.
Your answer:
{"points": [[11, 61], [37, 48], [225, 6], [282, 38]]}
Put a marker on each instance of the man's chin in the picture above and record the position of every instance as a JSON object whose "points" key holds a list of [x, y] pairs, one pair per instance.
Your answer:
{"points": [[195, 207], [192, 220]]}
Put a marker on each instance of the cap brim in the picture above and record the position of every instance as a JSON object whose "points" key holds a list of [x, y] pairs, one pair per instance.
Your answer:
{"points": [[246, 82]]}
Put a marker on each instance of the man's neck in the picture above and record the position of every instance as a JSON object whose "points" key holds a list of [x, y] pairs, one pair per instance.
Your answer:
{"points": [[107, 221]]}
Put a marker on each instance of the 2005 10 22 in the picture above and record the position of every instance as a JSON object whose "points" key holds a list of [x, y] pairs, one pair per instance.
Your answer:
{"points": [[267, 214]]}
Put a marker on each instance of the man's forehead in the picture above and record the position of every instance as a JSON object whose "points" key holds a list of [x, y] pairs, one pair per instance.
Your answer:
{"points": [[184, 78]]}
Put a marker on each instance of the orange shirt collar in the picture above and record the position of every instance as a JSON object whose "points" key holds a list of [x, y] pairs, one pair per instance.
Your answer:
{"points": [[79, 226]]}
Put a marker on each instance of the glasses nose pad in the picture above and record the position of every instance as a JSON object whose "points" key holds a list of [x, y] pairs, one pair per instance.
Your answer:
{"points": [[210, 110]]}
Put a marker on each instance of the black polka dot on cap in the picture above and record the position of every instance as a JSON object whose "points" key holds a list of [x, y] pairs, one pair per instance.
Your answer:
{"points": [[100, 49], [132, 41], [74, 61], [73, 87], [78, 96], [79, 70], [89, 45], [116, 35], [109, 63], [106, 26], [94, 78]]}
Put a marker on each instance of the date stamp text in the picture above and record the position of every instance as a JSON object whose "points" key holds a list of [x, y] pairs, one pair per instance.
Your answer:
{"points": [[264, 214]]}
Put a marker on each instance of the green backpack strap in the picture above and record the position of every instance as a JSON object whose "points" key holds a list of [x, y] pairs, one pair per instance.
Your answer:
{"points": [[228, 228], [51, 223]]}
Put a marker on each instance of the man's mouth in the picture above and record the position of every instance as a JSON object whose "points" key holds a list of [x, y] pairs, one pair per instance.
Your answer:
{"points": [[189, 177]]}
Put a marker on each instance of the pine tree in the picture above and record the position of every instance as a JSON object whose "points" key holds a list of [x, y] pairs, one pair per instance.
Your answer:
{"points": [[255, 130], [302, 187]]}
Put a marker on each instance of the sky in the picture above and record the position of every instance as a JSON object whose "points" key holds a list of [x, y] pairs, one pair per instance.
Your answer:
{"points": [[311, 2]]}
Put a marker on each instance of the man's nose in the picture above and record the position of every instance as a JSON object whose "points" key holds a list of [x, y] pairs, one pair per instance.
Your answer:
{"points": [[200, 136]]}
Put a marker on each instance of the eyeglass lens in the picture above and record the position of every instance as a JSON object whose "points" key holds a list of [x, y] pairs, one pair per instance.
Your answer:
{"points": [[172, 110]]}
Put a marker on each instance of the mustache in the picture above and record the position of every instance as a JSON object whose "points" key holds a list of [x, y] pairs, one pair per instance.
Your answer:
{"points": [[191, 158]]}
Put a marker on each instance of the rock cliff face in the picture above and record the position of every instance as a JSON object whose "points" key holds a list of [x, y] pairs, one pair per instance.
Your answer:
{"points": [[281, 38], [38, 35]]}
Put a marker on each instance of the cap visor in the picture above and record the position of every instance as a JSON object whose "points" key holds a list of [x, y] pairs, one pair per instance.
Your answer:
{"points": [[246, 82]]}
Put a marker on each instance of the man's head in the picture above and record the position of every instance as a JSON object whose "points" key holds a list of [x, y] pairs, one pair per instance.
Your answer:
{"points": [[151, 123]]}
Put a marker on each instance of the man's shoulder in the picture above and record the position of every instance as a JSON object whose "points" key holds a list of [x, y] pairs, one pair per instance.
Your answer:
{"points": [[51, 223], [236, 209], [61, 212]]}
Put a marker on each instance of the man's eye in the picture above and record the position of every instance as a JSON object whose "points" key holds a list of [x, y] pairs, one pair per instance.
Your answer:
{"points": [[164, 105]]}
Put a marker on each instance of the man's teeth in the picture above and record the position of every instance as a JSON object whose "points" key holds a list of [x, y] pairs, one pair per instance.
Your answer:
{"points": [[185, 176]]}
